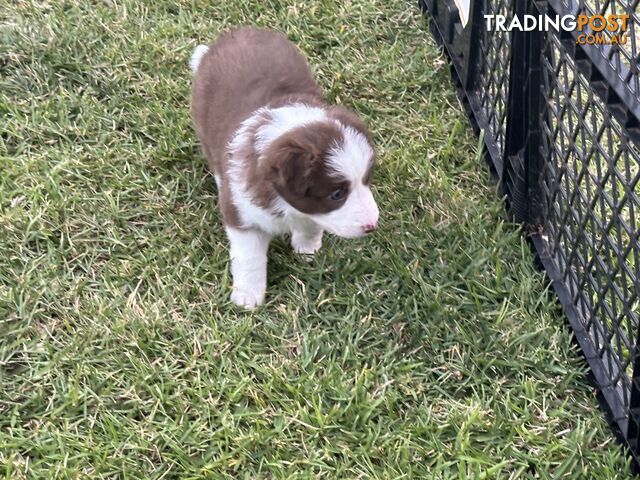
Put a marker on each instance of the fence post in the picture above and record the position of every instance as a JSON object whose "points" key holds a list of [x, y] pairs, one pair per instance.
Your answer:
{"points": [[523, 163]]}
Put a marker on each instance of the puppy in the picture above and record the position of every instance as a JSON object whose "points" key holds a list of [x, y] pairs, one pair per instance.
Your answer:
{"points": [[284, 160]]}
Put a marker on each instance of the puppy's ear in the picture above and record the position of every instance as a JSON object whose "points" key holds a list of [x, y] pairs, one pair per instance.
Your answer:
{"points": [[291, 173], [292, 160]]}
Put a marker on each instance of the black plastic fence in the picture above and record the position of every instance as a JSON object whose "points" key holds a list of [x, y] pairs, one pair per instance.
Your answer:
{"points": [[561, 125]]}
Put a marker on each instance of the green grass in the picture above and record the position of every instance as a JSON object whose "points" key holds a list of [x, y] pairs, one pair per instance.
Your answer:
{"points": [[432, 349]]}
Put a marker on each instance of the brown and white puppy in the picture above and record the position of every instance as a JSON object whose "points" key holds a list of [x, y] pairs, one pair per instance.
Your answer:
{"points": [[284, 160]]}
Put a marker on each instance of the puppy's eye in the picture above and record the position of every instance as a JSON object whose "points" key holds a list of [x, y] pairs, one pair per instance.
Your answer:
{"points": [[338, 194]]}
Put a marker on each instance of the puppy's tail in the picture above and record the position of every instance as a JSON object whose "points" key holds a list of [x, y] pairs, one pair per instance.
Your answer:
{"points": [[196, 57]]}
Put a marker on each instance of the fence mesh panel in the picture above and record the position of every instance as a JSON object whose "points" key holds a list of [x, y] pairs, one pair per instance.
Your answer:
{"points": [[494, 74], [591, 187], [622, 57], [561, 122]]}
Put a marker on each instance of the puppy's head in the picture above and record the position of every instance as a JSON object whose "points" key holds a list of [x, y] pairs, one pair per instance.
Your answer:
{"points": [[323, 169]]}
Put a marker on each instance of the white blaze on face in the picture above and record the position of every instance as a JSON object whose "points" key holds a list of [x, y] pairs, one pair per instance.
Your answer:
{"points": [[352, 160]]}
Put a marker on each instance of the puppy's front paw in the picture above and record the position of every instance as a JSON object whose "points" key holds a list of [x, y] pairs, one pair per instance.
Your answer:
{"points": [[305, 245], [246, 298]]}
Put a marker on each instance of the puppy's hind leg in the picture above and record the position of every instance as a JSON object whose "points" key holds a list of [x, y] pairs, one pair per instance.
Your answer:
{"points": [[248, 249]]}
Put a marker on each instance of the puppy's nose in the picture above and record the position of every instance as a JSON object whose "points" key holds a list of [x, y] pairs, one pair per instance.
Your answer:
{"points": [[370, 227]]}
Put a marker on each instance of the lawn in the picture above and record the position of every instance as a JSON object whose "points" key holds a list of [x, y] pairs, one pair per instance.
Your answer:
{"points": [[431, 349]]}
